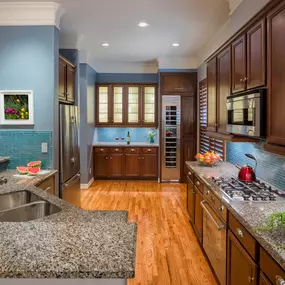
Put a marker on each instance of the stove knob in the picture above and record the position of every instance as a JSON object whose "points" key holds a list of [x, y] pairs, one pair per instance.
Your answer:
{"points": [[272, 198], [254, 198]]}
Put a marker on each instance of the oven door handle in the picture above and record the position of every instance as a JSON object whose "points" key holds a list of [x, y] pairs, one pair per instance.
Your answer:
{"points": [[211, 217]]}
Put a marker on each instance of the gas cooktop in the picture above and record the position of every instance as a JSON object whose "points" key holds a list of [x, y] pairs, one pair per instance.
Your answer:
{"points": [[255, 191]]}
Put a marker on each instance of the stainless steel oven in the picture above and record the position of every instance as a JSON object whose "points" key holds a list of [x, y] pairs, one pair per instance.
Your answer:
{"points": [[247, 114]]}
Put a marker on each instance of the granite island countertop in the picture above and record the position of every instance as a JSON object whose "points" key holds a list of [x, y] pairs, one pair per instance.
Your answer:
{"points": [[251, 214], [81, 244]]}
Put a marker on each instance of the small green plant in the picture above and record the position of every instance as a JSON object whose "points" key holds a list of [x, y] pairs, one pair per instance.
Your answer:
{"points": [[274, 221], [151, 135]]}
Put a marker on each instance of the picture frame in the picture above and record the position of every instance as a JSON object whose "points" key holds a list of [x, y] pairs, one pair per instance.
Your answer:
{"points": [[17, 107]]}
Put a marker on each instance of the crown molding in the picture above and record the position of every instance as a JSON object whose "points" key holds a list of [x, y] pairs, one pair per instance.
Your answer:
{"points": [[30, 14], [177, 63]]}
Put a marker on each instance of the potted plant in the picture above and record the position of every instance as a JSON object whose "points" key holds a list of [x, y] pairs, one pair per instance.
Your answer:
{"points": [[151, 135]]}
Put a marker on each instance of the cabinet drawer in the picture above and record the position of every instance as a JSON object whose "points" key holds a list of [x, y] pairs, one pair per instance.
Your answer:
{"points": [[150, 150], [271, 269], [190, 174], [101, 150], [198, 183], [243, 236], [133, 150], [117, 150]]}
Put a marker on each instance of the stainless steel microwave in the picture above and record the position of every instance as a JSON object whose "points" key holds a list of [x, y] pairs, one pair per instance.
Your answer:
{"points": [[247, 114]]}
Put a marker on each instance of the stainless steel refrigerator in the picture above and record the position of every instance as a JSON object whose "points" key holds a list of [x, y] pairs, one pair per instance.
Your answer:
{"points": [[69, 174], [170, 162]]}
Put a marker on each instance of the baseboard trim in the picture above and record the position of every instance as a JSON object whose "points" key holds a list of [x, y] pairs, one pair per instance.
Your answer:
{"points": [[87, 186]]}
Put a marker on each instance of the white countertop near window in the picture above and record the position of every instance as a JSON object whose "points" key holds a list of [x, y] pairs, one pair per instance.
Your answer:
{"points": [[124, 144]]}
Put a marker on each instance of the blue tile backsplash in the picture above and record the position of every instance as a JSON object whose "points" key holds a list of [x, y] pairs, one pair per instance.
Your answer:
{"points": [[270, 167], [25, 146], [110, 134]]}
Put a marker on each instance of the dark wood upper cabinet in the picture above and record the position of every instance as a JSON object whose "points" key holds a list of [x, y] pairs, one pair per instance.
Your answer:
{"points": [[239, 64], [256, 63], [70, 84], [212, 95], [188, 116], [276, 75], [241, 269], [223, 88], [198, 224], [62, 80], [178, 83]]}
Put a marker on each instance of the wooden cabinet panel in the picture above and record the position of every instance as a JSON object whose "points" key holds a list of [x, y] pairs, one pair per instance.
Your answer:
{"points": [[103, 105], [276, 75], [132, 150], [256, 64], [198, 224], [132, 165], [48, 185], [178, 83], [149, 150], [241, 269], [149, 165], [239, 64], [191, 200], [188, 116], [263, 280], [212, 95], [70, 84], [223, 88], [134, 105], [117, 105], [149, 105], [101, 165], [116, 165], [188, 154], [62, 80]]}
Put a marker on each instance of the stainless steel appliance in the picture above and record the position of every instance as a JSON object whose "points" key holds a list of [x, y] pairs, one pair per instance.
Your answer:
{"points": [[247, 114], [170, 168], [234, 189], [69, 150], [215, 240]]}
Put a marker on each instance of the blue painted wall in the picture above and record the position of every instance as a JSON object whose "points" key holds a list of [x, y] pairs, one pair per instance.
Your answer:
{"points": [[271, 167], [127, 77], [88, 78]]}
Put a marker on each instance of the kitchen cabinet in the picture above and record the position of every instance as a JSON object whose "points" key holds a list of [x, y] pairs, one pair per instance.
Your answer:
{"points": [[263, 280], [198, 219], [188, 116], [116, 164], [276, 76], [188, 152], [239, 64], [66, 81], [212, 95], [149, 163], [124, 105], [178, 83], [101, 164], [190, 200], [241, 269], [48, 185]]}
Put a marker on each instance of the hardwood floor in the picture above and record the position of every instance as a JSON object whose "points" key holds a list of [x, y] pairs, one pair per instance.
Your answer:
{"points": [[167, 248]]}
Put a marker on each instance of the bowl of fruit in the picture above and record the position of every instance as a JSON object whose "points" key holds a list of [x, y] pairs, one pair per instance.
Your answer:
{"points": [[208, 159]]}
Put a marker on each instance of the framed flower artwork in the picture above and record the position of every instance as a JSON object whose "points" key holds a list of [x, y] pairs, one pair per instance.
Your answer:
{"points": [[16, 107]]}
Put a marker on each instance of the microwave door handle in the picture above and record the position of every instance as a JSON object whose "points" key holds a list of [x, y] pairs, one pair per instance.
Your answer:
{"points": [[211, 217]]}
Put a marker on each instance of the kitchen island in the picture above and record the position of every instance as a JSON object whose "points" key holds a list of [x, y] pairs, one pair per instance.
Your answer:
{"points": [[72, 246]]}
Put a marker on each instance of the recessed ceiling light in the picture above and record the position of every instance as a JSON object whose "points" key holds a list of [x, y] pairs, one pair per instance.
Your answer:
{"points": [[105, 44], [175, 45], [143, 24]]}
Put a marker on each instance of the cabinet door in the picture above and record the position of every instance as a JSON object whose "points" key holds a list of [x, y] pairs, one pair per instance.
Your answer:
{"points": [[223, 88], [116, 165], [134, 105], [263, 280], [198, 224], [212, 95], [149, 106], [118, 108], [149, 165], [188, 154], [256, 65], [276, 75], [103, 104], [179, 83], [62, 80], [70, 84], [241, 269], [188, 116], [191, 200], [132, 164], [101, 165], [239, 65]]}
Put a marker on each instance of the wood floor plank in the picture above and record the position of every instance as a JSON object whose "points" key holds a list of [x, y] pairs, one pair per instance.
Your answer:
{"points": [[168, 252]]}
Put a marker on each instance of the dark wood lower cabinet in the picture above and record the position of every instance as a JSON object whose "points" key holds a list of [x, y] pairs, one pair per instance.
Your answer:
{"points": [[187, 154], [241, 269], [263, 280], [198, 224], [149, 165], [133, 165], [191, 200], [101, 165], [116, 165]]}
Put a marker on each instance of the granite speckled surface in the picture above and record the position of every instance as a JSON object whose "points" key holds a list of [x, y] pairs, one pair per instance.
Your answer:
{"points": [[73, 243], [251, 214], [4, 159]]}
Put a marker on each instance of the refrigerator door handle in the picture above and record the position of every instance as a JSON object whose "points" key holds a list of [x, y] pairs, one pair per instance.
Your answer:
{"points": [[72, 181]]}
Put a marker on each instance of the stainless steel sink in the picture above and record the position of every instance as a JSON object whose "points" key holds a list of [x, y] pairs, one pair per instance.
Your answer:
{"points": [[16, 199], [28, 212]]}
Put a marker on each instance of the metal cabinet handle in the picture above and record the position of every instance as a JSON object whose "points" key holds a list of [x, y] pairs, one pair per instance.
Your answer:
{"points": [[72, 159], [143, 157], [139, 158], [189, 173], [250, 279], [132, 150], [245, 79], [111, 157], [222, 208], [207, 192], [239, 232], [101, 149], [106, 157], [198, 183], [116, 150], [279, 280], [47, 189], [211, 217], [241, 80], [178, 88], [149, 150]]}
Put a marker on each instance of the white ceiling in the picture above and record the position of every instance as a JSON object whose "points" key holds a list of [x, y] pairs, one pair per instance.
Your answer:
{"points": [[86, 24]]}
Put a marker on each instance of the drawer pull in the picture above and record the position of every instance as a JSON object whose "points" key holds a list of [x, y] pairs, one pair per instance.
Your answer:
{"points": [[106, 157], [279, 280], [111, 157], [239, 232], [208, 192], [190, 173], [149, 150], [116, 150], [101, 149], [250, 279], [198, 183], [222, 208], [47, 189], [132, 150], [143, 157]]}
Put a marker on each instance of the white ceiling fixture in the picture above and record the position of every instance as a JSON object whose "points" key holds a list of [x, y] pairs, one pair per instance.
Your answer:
{"points": [[175, 44], [105, 44], [143, 25]]}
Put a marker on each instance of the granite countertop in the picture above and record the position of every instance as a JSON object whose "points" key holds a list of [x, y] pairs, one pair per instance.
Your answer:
{"points": [[251, 214], [124, 144], [81, 244], [4, 159]]}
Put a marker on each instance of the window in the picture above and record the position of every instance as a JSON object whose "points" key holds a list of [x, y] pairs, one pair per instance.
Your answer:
{"points": [[207, 143]]}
